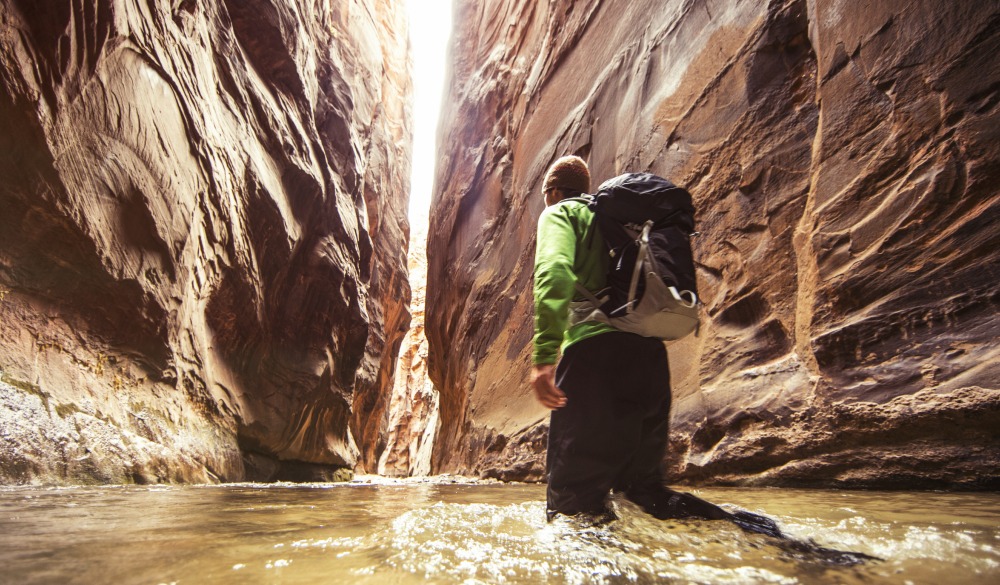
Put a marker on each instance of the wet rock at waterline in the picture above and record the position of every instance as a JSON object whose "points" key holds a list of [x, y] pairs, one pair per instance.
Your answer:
{"points": [[843, 157], [202, 237]]}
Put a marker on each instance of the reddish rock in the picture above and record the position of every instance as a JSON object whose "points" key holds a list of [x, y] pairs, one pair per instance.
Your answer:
{"points": [[202, 237], [414, 405], [843, 158]]}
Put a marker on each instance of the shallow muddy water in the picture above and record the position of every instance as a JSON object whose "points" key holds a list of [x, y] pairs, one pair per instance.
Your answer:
{"points": [[486, 533]]}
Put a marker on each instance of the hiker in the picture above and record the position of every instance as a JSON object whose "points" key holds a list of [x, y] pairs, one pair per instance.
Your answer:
{"points": [[610, 394]]}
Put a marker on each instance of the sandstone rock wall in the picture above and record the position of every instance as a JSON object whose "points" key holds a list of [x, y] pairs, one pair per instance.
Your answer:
{"points": [[843, 157], [202, 236], [415, 402]]}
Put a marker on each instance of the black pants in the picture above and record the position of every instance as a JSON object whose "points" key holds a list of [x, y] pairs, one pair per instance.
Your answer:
{"points": [[612, 434]]}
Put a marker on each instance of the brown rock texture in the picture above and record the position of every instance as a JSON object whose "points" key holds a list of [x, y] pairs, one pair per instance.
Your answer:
{"points": [[414, 405], [843, 157], [202, 236]]}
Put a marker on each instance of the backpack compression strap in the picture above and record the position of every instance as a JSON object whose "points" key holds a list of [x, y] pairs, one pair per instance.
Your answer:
{"points": [[640, 260]]}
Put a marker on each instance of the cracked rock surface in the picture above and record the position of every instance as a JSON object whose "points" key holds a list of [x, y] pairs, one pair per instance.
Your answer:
{"points": [[843, 158], [202, 237]]}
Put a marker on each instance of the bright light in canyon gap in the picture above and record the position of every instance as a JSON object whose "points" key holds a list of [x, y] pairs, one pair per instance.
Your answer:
{"points": [[430, 28]]}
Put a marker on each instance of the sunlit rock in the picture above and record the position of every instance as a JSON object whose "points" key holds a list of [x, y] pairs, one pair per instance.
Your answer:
{"points": [[413, 410], [202, 236], [843, 160]]}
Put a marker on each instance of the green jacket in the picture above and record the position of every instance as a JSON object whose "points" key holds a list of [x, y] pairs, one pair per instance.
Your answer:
{"points": [[569, 249]]}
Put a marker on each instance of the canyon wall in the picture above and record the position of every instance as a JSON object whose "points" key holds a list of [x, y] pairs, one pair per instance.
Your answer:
{"points": [[414, 404], [843, 159], [202, 237]]}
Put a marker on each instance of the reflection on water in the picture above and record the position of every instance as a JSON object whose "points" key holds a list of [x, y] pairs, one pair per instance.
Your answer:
{"points": [[445, 533]]}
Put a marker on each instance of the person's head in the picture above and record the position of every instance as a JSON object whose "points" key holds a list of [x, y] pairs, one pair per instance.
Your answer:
{"points": [[567, 177]]}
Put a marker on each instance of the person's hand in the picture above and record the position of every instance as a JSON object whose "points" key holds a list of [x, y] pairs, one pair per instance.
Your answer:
{"points": [[543, 381]]}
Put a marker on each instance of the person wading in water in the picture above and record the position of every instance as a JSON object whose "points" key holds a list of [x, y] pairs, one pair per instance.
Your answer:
{"points": [[610, 394]]}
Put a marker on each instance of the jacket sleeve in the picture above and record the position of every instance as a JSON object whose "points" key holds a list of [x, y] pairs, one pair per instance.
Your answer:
{"points": [[555, 251]]}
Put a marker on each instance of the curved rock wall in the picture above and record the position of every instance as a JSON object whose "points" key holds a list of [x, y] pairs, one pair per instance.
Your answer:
{"points": [[843, 157], [202, 242]]}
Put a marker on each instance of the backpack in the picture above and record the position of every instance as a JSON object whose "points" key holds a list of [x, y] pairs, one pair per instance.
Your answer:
{"points": [[647, 223]]}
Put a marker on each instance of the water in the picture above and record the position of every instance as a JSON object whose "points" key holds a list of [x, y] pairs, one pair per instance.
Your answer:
{"points": [[447, 533]]}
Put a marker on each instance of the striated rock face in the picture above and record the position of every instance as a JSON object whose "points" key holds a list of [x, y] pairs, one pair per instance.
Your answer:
{"points": [[202, 236], [414, 405], [843, 157]]}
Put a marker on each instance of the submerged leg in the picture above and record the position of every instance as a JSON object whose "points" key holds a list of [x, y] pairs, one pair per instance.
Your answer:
{"points": [[809, 550], [751, 522], [665, 503], [642, 483]]}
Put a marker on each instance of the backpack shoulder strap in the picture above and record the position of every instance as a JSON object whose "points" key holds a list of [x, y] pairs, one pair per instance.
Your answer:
{"points": [[587, 200]]}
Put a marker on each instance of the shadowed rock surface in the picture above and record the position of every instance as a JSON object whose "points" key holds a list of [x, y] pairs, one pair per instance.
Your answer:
{"points": [[202, 237], [843, 157]]}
